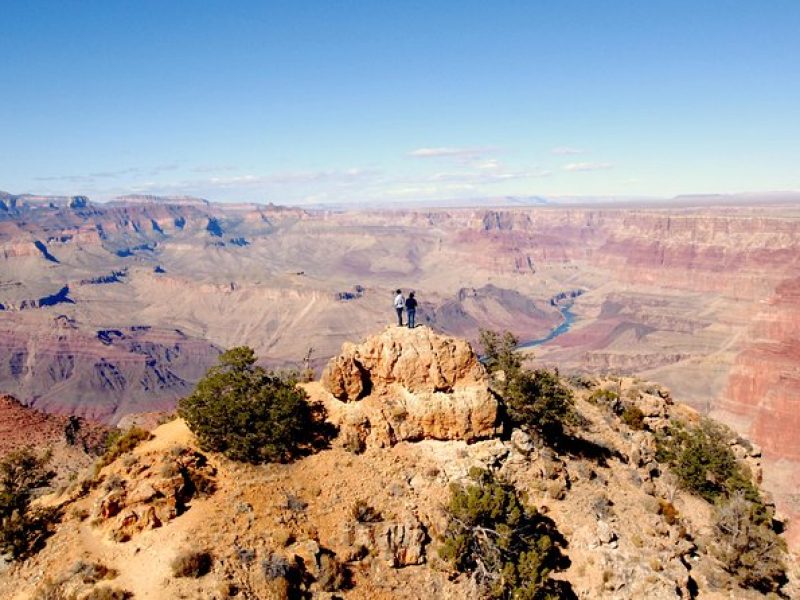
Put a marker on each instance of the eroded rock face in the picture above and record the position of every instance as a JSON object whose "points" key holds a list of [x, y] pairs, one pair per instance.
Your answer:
{"points": [[418, 359], [409, 385], [148, 494]]}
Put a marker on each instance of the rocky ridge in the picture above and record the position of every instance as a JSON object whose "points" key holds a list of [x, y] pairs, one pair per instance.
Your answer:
{"points": [[363, 521]]}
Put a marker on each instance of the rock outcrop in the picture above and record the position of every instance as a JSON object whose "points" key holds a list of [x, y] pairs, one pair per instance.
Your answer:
{"points": [[407, 385], [151, 490]]}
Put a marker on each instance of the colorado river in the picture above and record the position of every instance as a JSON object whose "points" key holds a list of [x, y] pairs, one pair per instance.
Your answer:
{"points": [[569, 318]]}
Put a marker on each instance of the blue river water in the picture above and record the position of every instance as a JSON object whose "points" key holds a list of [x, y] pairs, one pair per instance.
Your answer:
{"points": [[569, 318]]}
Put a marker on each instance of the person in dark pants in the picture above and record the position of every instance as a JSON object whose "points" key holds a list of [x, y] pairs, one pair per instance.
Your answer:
{"points": [[411, 310], [399, 305]]}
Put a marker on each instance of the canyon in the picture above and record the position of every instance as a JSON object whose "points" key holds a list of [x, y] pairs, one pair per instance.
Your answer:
{"points": [[112, 309]]}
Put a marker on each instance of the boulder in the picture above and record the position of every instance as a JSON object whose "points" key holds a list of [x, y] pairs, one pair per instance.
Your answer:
{"points": [[402, 544], [418, 359], [408, 385]]}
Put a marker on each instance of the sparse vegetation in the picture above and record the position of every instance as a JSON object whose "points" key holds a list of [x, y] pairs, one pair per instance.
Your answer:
{"points": [[50, 590], [667, 510], [743, 540], [603, 396], [365, 513], [748, 549], [276, 566], [535, 400], [107, 593], [120, 442], [633, 417], [192, 564], [246, 413], [508, 549], [333, 575], [23, 528], [702, 459], [89, 572]]}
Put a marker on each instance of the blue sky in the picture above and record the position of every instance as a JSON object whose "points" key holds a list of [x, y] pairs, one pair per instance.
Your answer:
{"points": [[308, 102]]}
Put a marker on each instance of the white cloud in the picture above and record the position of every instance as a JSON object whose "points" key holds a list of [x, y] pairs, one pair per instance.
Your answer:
{"points": [[446, 152], [492, 175], [587, 166], [491, 164], [567, 150]]}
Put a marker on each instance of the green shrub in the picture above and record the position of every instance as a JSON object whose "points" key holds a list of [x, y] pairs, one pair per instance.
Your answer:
{"points": [[120, 442], [508, 549], [192, 564], [748, 549], [500, 353], [246, 413], [704, 463], [603, 396], [538, 400], [23, 528], [633, 417]]}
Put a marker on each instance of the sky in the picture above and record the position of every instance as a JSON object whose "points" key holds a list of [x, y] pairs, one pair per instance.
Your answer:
{"points": [[384, 102]]}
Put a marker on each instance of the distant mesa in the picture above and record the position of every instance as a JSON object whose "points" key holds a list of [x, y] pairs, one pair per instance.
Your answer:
{"points": [[150, 199]]}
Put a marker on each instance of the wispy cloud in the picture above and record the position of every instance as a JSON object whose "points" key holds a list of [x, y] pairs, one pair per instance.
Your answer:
{"points": [[332, 176], [447, 152], [567, 150], [588, 166], [488, 175], [115, 174], [213, 168]]}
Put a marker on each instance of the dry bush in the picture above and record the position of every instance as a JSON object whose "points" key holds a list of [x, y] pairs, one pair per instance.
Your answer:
{"points": [[333, 576], [364, 513], [92, 572], [633, 417], [107, 593], [668, 511], [192, 564], [121, 442], [748, 548]]}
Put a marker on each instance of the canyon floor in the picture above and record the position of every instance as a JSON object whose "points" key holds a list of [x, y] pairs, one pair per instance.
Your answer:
{"points": [[113, 309]]}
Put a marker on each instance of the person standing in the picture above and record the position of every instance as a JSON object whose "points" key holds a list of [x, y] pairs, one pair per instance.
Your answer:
{"points": [[399, 304], [411, 310]]}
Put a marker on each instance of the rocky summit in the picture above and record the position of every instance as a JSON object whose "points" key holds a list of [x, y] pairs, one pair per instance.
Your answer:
{"points": [[408, 384], [416, 418]]}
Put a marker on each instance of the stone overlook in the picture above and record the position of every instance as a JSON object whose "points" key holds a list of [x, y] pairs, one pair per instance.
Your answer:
{"points": [[405, 385]]}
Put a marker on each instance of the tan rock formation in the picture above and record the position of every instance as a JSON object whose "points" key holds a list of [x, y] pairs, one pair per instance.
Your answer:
{"points": [[150, 491], [407, 385], [418, 359]]}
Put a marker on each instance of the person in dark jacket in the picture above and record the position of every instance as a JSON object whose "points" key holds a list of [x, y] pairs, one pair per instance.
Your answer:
{"points": [[411, 310]]}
